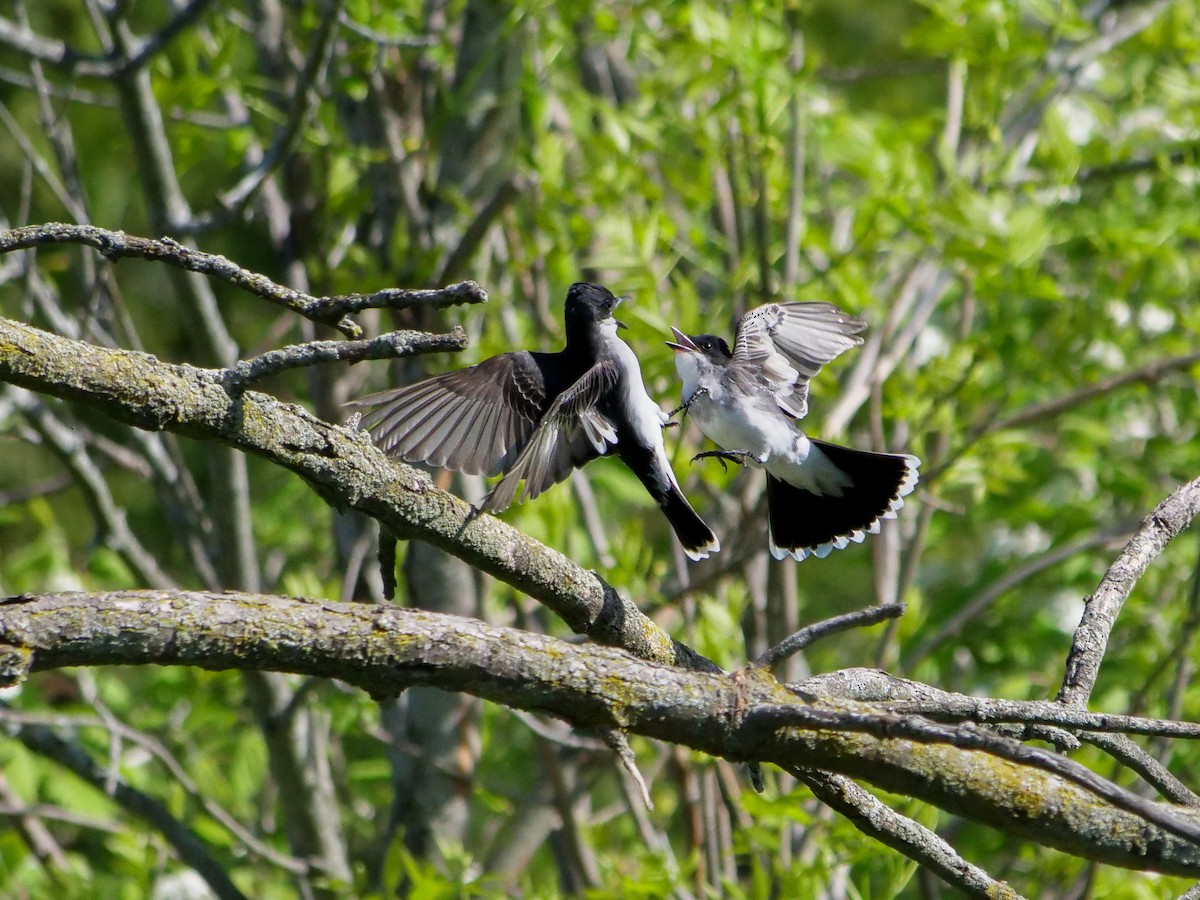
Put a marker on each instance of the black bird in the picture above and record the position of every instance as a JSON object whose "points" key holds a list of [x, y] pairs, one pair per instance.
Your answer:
{"points": [[819, 496], [534, 417]]}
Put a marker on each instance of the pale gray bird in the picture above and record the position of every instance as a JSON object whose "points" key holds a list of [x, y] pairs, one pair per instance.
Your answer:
{"points": [[820, 496], [534, 417]]}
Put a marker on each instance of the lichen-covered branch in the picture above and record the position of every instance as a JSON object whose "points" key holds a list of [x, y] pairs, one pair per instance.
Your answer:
{"points": [[341, 464], [383, 649]]}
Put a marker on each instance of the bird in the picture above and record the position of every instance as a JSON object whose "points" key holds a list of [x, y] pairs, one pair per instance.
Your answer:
{"points": [[820, 496], [533, 417]]}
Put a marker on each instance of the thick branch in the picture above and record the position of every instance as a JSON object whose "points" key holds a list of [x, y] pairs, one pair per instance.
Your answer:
{"points": [[384, 649], [343, 465]]}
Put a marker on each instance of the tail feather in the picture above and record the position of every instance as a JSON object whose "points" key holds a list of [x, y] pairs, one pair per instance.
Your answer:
{"points": [[651, 467], [697, 538], [803, 522]]}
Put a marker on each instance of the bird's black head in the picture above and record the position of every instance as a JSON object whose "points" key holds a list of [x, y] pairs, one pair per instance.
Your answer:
{"points": [[589, 303], [712, 346]]}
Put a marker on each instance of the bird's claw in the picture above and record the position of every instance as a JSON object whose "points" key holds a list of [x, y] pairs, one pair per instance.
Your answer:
{"points": [[741, 457]]}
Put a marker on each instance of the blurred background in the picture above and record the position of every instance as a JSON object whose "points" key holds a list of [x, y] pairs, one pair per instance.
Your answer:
{"points": [[1006, 192]]}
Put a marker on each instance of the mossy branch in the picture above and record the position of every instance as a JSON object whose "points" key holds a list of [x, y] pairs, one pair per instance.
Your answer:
{"points": [[384, 649]]}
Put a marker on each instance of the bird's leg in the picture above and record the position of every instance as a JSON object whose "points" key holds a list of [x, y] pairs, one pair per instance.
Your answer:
{"points": [[683, 407], [741, 457]]}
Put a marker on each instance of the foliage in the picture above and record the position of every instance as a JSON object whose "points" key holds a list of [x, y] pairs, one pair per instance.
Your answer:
{"points": [[1005, 191]]}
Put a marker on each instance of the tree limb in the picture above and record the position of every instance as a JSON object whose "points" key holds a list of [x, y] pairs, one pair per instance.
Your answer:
{"points": [[1100, 615], [384, 649], [115, 245], [342, 465]]}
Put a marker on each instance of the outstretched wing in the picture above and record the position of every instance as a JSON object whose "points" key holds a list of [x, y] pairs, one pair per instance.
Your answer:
{"points": [[789, 342], [475, 420], [572, 432]]}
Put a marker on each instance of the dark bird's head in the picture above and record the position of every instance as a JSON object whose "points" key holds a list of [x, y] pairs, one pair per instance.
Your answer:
{"points": [[711, 347], [590, 304]]}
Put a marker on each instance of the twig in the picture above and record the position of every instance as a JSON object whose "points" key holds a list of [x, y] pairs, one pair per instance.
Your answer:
{"points": [[1147, 374], [115, 245], [982, 601], [1154, 773], [1043, 720], [57, 814], [190, 847], [1100, 613], [110, 65], [962, 708], [304, 100], [873, 817], [619, 745], [559, 733], [871, 615], [111, 523], [394, 345], [384, 40]]}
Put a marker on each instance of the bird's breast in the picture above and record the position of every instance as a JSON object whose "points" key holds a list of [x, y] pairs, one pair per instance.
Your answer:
{"points": [[739, 422]]}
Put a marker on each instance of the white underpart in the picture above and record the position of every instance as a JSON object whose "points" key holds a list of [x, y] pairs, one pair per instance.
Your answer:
{"points": [[647, 416], [777, 446], [755, 425]]}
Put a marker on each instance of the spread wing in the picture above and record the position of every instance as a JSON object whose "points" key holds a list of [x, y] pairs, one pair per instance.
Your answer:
{"points": [[789, 342], [474, 420], [572, 432]]}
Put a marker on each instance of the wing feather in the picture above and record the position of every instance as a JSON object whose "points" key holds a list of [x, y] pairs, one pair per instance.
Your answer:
{"points": [[790, 342], [572, 432], [456, 420]]}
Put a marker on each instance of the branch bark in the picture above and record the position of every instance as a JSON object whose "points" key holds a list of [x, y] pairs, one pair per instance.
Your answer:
{"points": [[384, 649], [342, 465]]}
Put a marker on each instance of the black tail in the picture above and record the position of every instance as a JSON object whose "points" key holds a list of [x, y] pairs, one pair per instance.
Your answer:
{"points": [[654, 472], [697, 538], [803, 522]]}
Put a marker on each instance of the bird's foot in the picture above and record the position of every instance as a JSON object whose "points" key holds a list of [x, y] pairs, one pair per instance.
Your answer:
{"points": [[741, 457]]}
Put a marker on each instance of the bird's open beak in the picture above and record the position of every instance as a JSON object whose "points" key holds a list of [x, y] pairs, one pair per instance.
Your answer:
{"points": [[620, 300], [682, 341]]}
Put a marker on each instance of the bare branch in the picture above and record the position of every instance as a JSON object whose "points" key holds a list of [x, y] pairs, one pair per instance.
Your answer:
{"points": [[173, 766], [870, 816], [190, 847], [619, 744], [1147, 374], [1154, 773], [303, 101], [900, 695], [58, 54], [980, 603], [1100, 614], [115, 245], [871, 615], [393, 345], [968, 738]]}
